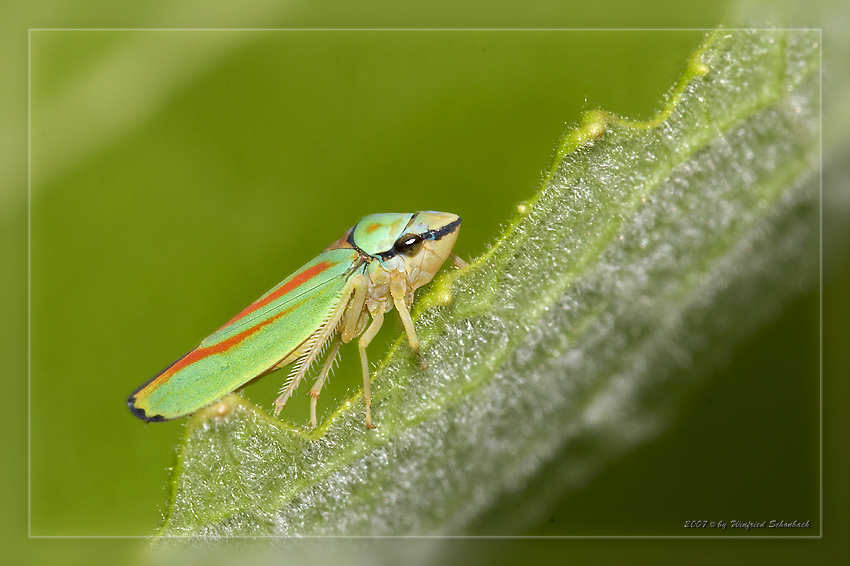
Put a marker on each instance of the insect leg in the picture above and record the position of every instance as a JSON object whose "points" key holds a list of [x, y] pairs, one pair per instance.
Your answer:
{"points": [[408, 327], [457, 261], [320, 382], [350, 323], [309, 354], [377, 321]]}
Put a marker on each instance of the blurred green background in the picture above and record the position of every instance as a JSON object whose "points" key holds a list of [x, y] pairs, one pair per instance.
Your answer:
{"points": [[177, 175]]}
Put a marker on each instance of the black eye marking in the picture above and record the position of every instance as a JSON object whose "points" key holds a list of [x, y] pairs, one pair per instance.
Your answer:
{"points": [[408, 244]]}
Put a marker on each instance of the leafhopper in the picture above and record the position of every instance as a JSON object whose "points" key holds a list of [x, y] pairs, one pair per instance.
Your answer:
{"points": [[375, 266]]}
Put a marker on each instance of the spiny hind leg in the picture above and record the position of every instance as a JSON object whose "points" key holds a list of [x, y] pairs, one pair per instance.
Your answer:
{"points": [[286, 392], [308, 354], [316, 390], [290, 384], [377, 321]]}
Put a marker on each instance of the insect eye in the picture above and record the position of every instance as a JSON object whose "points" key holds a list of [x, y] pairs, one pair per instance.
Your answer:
{"points": [[408, 245]]}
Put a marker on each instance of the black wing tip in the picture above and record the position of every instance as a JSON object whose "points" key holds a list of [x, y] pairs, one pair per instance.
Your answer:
{"points": [[140, 413]]}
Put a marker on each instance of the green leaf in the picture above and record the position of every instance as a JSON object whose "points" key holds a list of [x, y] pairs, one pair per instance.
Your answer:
{"points": [[650, 250]]}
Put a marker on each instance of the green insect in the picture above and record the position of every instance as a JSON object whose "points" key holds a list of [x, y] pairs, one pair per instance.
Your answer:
{"points": [[375, 266]]}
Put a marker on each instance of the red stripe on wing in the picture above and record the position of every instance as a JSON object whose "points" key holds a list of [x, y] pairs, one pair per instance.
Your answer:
{"points": [[295, 282], [202, 352]]}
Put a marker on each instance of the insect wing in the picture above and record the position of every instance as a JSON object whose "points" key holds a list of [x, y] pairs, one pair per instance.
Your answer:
{"points": [[268, 331]]}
